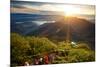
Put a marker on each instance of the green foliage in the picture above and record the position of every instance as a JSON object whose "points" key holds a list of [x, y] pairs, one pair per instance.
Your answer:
{"points": [[26, 48], [41, 45], [64, 45], [60, 59], [83, 46], [19, 47], [80, 55]]}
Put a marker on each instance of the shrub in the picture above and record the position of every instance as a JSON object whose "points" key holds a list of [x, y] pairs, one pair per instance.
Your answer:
{"points": [[80, 55]]}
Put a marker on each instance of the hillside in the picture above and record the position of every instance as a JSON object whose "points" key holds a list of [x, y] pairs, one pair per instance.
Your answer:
{"points": [[79, 30]]}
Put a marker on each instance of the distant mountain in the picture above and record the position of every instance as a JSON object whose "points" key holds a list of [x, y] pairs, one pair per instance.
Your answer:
{"points": [[24, 23], [23, 27], [80, 30]]}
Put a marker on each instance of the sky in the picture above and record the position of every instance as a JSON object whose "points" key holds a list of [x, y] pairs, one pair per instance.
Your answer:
{"points": [[89, 2], [34, 7]]}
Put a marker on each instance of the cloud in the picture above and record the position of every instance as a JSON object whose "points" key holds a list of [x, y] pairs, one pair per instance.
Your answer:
{"points": [[38, 7], [22, 10], [49, 7]]}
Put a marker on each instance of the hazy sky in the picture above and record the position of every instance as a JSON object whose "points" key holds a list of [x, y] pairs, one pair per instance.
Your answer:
{"points": [[89, 2], [37, 7]]}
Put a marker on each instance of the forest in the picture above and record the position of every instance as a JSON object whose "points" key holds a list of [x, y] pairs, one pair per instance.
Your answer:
{"points": [[30, 48]]}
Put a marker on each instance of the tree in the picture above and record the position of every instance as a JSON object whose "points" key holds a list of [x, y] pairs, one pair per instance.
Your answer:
{"points": [[81, 55], [40, 45], [19, 47]]}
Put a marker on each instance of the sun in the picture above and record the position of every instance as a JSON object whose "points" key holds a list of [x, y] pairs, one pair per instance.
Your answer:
{"points": [[70, 10]]}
